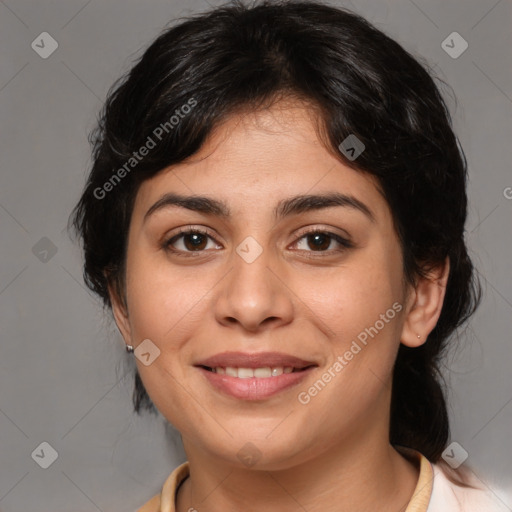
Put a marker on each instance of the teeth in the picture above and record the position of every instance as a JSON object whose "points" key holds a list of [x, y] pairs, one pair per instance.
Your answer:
{"points": [[232, 372], [263, 372], [247, 373]]}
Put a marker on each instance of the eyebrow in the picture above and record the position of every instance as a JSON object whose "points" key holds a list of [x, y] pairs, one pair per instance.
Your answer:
{"points": [[286, 207]]}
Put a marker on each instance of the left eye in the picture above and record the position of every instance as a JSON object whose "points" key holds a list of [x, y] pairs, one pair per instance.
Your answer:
{"points": [[320, 241]]}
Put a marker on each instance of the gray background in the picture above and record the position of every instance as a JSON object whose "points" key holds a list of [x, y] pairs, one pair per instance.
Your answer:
{"points": [[64, 376]]}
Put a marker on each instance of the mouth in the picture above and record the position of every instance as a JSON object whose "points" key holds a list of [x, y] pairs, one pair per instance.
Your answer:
{"points": [[254, 376], [264, 372]]}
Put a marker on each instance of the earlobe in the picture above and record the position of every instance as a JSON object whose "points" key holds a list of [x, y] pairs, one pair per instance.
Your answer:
{"points": [[425, 306], [120, 313]]}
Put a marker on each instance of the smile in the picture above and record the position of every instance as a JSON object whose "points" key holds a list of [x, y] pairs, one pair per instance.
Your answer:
{"points": [[259, 373], [253, 376]]}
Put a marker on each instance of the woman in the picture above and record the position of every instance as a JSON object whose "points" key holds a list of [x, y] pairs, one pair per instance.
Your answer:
{"points": [[275, 216]]}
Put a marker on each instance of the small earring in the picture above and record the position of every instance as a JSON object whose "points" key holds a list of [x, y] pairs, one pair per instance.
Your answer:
{"points": [[129, 348], [418, 336]]}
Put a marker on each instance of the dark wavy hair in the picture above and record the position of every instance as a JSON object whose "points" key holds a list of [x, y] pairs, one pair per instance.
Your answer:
{"points": [[359, 81]]}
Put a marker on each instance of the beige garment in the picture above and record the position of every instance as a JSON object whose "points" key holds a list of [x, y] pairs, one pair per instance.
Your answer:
{"points": [[165, 501]]}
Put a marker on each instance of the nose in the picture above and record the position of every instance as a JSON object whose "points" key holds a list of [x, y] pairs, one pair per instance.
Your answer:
{"points": [[253, 296]]}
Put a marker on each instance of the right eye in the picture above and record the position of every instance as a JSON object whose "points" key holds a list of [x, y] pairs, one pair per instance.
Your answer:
{"points": [[191, 240]]}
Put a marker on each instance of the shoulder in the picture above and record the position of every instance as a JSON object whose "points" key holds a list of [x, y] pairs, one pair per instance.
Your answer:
{"points": [[447, 495]]}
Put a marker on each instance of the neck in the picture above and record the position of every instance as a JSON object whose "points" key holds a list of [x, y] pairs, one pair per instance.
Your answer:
{"points": [[348, 477]]}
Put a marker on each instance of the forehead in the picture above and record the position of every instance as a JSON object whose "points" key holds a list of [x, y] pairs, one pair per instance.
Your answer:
{"points": [[257, 158]]}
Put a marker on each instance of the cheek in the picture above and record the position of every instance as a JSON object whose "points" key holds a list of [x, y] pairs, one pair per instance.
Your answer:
{"points": [[363, 312], [162, 302], [352, 297], [361, 304], [166, 308]]}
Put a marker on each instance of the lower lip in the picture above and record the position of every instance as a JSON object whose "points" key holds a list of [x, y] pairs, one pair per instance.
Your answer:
{"points": [[254, 388]]}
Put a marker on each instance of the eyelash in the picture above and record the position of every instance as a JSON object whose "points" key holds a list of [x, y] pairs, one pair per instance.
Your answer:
{"points": [[167, 245]]}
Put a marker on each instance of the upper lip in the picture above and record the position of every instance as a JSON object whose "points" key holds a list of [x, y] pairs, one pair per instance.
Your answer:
{"points": [[254, 360]]}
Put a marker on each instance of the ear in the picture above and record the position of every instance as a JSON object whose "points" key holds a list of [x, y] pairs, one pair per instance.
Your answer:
{"points": [[424, 306], [120, 313]]}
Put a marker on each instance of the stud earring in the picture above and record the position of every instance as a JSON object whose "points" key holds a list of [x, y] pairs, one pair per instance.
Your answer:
{"points": [[129, 349], [418, 336]]}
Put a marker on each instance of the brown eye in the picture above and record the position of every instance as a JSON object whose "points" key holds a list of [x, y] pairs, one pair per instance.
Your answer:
{"points": [[321, 241], [195, 241], [192, 240]]}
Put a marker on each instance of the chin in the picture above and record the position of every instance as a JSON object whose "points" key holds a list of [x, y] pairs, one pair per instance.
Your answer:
{"points": [[262, 454]]}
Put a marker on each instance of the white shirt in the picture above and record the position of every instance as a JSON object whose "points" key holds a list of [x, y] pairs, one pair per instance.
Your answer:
{"points": [[449, 497]]}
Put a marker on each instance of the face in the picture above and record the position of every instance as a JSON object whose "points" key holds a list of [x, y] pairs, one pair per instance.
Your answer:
{"points": [[301, 300]]}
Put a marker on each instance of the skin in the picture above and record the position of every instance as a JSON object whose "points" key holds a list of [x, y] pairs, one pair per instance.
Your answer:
{"points": [[332, 453]]}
